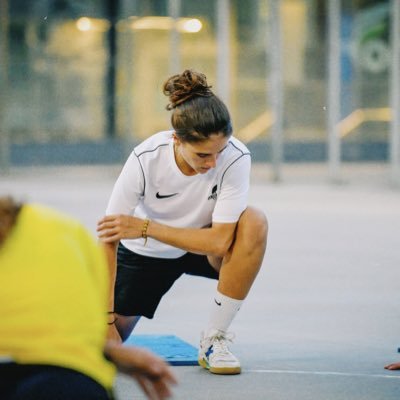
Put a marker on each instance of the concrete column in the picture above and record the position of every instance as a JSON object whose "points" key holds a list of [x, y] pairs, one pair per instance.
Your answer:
{"points": [[334, 86], [275, 87], [4, 134], [224, 50], [395, 93], [174, 12]]}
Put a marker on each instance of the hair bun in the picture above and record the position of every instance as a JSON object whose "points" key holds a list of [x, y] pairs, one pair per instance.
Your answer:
{"points": [[185, 86]]}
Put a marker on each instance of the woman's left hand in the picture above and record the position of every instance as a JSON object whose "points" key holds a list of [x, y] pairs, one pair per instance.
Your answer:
{"points": [[113, 228]]}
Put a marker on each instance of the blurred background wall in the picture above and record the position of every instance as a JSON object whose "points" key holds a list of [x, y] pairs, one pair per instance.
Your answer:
{"points": [[81, 79]]}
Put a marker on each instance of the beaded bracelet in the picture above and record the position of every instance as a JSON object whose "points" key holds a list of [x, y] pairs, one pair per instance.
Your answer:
{"points": [[144, 230]]}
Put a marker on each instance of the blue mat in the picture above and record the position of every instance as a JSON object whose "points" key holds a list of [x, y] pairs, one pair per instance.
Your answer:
{"points": [[171, 348]]}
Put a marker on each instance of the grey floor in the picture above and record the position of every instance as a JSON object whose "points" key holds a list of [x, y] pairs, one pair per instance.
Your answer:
{"points": [[323, 317]]}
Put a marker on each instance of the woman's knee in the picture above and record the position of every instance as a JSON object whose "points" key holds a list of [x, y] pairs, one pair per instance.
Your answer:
{"points": [[254, 224]]}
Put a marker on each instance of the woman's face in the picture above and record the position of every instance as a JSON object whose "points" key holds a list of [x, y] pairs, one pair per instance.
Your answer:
{"points": [[199, 157]]}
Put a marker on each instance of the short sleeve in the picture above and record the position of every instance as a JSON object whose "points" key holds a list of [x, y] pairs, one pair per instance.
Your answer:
{"points": [[128, 188], [234, 188]]}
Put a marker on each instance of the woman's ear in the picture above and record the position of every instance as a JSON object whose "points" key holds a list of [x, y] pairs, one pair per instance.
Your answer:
{"points": [[176, 138]]}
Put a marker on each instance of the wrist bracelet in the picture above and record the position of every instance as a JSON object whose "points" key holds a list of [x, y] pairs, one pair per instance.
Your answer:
{"points": [[144, 230]]}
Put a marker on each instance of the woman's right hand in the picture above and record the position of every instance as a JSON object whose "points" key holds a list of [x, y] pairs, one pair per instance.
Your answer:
{"points": [[113, 228]]}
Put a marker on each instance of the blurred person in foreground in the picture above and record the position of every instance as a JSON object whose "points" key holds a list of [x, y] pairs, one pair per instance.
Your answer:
{"points": [[53, 297], [179, 207]]}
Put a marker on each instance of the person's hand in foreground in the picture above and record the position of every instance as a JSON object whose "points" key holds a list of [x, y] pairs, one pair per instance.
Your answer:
{"points": [[393, 366], [153, 374]]}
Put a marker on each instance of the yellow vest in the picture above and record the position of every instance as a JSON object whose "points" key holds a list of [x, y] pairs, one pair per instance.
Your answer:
{"points": [[53, 295]]}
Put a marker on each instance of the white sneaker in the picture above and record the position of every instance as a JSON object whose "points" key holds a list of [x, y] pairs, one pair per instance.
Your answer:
{"points": [[215, 356]]}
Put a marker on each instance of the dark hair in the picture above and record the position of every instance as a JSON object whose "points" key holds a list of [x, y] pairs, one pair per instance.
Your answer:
{"points": [[197, 112], [9, 210]]}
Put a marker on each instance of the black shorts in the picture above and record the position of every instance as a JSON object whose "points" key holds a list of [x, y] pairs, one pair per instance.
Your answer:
{"points": [[142, 281]]}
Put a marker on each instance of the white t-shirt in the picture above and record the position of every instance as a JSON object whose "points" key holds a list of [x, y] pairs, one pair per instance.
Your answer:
{"points": [[152, 186]]}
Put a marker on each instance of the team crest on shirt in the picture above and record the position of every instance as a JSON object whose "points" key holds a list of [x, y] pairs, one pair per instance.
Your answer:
{"points": [[213, 195]]}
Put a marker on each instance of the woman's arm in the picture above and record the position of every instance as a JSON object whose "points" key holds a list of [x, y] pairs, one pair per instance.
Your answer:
{"points": [[111, 255], [213, 241], [110, 249]]}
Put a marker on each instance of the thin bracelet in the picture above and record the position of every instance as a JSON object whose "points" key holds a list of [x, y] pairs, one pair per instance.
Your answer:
{"points": [[113, 322], [115, 319], [144, 230]]}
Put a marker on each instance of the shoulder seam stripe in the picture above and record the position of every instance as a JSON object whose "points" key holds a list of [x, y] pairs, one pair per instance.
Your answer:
{"points": [[141, 167], [233, 162], [150, 151], [237, 148]]}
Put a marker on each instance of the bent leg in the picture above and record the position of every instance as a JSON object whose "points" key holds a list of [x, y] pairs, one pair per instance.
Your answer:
{"points": [[237, 271], [125, 325], [240, 266]]}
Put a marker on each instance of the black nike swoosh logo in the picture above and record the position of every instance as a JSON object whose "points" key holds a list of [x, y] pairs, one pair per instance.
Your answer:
{"points": [[164, 196], [216, 302]]}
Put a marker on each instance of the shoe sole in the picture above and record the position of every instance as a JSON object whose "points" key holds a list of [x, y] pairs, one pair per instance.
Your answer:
{"points": [[220, 371]]}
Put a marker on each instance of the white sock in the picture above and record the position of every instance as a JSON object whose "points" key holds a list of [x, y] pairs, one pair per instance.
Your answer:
{"points": [[223, 311]]}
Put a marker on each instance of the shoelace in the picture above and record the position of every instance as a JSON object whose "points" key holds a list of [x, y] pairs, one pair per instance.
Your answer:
{"points": [[220, 342]]}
